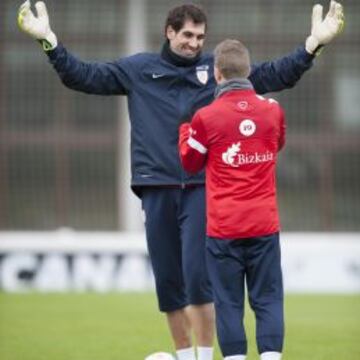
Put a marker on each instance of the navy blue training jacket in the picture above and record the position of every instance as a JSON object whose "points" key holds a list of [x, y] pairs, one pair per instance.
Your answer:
{"points": [[161, 96]]}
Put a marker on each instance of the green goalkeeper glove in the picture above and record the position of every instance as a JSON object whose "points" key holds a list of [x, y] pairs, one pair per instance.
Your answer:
{"points": [[38, 26], [324, 31]]}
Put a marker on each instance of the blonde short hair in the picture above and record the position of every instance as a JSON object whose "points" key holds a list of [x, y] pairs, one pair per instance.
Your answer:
{"points": [[232, 59]]}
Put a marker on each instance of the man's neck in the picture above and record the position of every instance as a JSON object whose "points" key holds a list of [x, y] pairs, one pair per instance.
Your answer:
{"points": [[170, 56], [232, 84]]}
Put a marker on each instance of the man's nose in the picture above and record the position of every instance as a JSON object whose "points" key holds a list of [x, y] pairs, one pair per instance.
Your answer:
{"points": [[194, 43]]}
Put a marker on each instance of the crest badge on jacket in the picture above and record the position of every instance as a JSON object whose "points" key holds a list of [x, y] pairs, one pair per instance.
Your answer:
{"points": [[202, 73]]}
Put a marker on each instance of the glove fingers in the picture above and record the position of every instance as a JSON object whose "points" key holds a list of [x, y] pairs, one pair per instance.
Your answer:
{"points": [[23, 11], [41, 10], [332, 8], [339, 13], [25, 5], [317, 15], [25, 15]]}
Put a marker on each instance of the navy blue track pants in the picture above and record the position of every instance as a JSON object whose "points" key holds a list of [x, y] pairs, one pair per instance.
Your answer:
{"points": [[255, 262], [175, 233]]}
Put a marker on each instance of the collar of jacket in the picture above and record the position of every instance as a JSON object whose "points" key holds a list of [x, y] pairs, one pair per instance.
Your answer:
{"points": [[233, 84], [168, 55]]}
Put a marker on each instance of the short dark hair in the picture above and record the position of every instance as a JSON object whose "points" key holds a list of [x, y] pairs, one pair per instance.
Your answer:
{"points": [[232, 59], [178, 15]]}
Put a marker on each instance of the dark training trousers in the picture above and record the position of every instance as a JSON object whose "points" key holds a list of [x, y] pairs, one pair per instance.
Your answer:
{"points": [[175, 233], [256, 261]]}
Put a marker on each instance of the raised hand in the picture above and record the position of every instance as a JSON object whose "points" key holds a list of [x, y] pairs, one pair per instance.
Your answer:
{"points": [[323, 31], [37, 26]]}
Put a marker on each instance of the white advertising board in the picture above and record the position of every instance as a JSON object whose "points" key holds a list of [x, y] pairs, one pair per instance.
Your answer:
{"points": [[65, 261]]}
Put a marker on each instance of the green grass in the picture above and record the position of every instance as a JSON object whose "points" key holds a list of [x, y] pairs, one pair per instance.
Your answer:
{"points": [[128, 327]]}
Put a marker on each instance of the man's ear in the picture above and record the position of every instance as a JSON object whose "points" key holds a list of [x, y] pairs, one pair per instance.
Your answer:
{"points": [[218, 75], [170, 32]]}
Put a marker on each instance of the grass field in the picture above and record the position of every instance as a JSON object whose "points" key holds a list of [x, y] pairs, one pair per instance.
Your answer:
{"points": [[128, 327]]}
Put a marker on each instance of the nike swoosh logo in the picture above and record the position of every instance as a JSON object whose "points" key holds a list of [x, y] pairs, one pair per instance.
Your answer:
{"points": [[155, 76], [145, 175]]}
